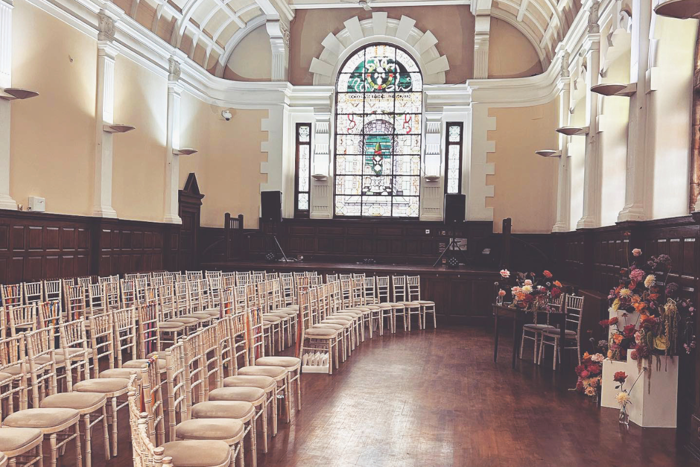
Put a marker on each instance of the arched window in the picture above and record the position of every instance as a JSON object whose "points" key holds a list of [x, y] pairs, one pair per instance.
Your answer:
{"points": [[379, 104]]}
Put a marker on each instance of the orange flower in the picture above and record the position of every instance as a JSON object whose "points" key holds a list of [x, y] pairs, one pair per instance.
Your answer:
{"points": [[617, 338], [653, 296], [639, 306], [586, 356], [636, 299], [557, 283]]}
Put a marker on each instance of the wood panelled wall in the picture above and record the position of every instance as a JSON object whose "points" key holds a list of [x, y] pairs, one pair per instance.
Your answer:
{"points": [[592, 260], [37, 246]]}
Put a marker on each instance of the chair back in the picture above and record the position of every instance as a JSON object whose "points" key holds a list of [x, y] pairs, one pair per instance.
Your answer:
{"points": [[399, 289], [97, 301], [194, 275], [370, 291], [53, 291], [14, 387], [128, 293], [50, 315], [176, 386], [33, 292], [153, 400], [383, 289], [75, 302], [111, 295], [74, 345], [148, 333], [413, 284], [42, 364], [195, 371], [574, 311], [125, 337], [101, 341], [12, 295], [23, 318]]}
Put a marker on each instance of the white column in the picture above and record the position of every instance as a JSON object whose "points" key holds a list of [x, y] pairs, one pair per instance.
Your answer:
{"points": [[636, 181], [482, 27], [106, 54], [592, 169], [321, 189], [564, 183], [279, 42], [6, 201], [432, 191], [172, 142]]}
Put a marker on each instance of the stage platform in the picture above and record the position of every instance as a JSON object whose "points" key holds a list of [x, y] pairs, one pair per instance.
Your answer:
{"points": [[461, 295]]}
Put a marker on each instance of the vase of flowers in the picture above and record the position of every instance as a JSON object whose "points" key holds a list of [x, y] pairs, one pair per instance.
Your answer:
{"points": [[528, 290]]}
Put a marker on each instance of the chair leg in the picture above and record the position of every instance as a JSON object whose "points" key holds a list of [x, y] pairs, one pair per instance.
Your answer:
{"points": [[522, 345], [264, 424], [88, 441], [556, 354], [534, 350], [114, 426]]}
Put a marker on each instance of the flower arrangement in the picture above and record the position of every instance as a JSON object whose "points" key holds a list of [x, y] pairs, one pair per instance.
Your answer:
{"points": [[527, 290], [589, 374], [624, 396], [651, 317]]}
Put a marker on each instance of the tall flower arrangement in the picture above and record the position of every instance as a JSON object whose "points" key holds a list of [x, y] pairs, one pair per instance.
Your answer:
{"points": [[650, 316], [589, 374]]}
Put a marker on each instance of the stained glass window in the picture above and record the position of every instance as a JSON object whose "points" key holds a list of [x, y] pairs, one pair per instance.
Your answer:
{"points": [[303, 170], [379, 104], [453, 167]]}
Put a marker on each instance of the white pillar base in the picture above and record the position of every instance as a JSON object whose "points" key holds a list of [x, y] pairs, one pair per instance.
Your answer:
{"points": [[560, 227], [172, 219], [586, 223], [106, 211], [634, 213], [7, 203]]}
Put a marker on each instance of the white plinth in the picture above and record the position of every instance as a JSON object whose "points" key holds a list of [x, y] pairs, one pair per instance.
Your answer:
{"points": [[655, 396]]}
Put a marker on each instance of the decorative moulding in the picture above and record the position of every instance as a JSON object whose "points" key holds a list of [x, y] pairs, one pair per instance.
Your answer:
{"points": [[11, 94], [681, 9], [117, 128], [184, 151], [615, 89], [320, 177], [432, 178], [548, 153], [573, 130]]}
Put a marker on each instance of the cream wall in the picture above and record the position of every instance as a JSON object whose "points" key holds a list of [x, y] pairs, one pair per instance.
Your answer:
{"points": [[53, 135], [138, 180], [227, 165], [511, 55], [525, 185], [251, 60]]}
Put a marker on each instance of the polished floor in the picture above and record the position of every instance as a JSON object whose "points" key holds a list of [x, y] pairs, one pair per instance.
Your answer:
{"points": [[435, 398]]}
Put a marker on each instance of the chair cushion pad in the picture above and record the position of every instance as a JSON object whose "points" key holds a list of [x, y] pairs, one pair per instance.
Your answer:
{"points": [[245, 394], [170, 325], [197, 453], [73, 400], [223, 409], [41, 418], [103, 385], [555, 333], [183, 320], [209, 428], [271, 371], [140, 362], [14, 439], [124, 373], [250, 381], [320, 332], [286, 362], [6, 376], [538, 327]]}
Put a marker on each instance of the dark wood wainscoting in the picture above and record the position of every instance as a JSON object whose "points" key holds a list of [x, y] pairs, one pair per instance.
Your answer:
{"points": [[37, 246]]}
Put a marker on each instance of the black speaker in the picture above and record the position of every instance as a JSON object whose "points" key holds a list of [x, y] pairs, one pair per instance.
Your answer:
{"points": [[455, 206], [271, 202]]}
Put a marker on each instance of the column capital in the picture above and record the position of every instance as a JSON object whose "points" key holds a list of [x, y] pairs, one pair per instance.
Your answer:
{"points": [[174, 70], [106, 26]]}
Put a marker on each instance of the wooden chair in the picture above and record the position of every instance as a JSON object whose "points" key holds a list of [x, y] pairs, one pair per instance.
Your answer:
{"points": [[317, 339], [384, 303], [128, 293], [145, 454], [53, 291], [12, 295], [400, 297], [127, 338], [75, 302], [22, 445], [22, 318], [427, 306], [43, 372], [33, 292], [534, 330], [574, 310]]}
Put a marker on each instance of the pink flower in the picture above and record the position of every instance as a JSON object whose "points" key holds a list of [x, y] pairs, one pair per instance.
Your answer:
{"points": [[505, 273], [637, 252], [637, 275], [501, 293]]}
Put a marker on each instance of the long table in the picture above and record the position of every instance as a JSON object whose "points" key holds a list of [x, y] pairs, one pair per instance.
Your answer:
{"points": [[519, 317]]}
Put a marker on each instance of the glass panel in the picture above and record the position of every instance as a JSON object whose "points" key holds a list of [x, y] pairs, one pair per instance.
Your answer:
{"points": [[379, 125], [376, 185], [407, 124], [304, 167], [405, 206], [348, 165], [453, 168], [378, 103], [303, 201], [409, 102], [348, 144], [407, 165], [406, 63], [376, 206], [407, 186], [348, 205], [355, 63], [304, 133], [349, 124], [454, 133], [408, 144], [352, 82], [348, 185], [350, 103]]}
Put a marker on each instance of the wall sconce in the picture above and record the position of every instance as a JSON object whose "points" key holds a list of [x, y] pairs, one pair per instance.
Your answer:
{"points": [[10, 94]]}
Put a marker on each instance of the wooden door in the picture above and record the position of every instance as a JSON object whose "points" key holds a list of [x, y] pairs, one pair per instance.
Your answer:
{"points": [[189, 210]]}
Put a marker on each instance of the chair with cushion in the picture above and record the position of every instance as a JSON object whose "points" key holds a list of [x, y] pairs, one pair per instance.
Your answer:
{"points": [[573, 307], [533, 331], [427, 306], [401, 297]]}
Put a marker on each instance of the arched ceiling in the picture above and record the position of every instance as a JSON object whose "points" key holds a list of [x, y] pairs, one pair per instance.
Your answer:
{"points": [[203, 29], [543, 22]]}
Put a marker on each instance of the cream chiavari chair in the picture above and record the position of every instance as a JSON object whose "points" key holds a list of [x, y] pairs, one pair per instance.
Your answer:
{"points": [[345, 277], [184, 453], [33, 292], [371, 301], [18, 444], [197, 302], [213, 274], [22, 318], [128, 293], [53, 292], [215, 287], [43, 372], [157, 281], [229, 430], [242, 278], [387, 309], [126, 340], [228, 279], [317, 339], [140, 285], [574, 312], [102, 347], [85, 282], [75, 302], [130, 277], [257, 276], [194, 275], [272, 324], [50, 316], [344, 325], [401, 298], [104, 280], [427, 306], [287, 285], [12, 295], [331, 278], [184, 307], [60, 425], [170, 325], [149, 333], [534, 330], [111, 295], [96, 302]]}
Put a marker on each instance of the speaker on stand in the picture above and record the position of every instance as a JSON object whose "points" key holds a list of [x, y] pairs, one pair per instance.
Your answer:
{"points": [[455, 208], [271, 206]]}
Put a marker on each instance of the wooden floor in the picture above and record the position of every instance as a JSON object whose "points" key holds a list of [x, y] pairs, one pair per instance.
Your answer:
{"points": [[435, 398]]}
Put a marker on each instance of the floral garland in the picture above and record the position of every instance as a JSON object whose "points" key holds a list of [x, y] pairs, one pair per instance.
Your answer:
{"points": [[589, 374]]}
